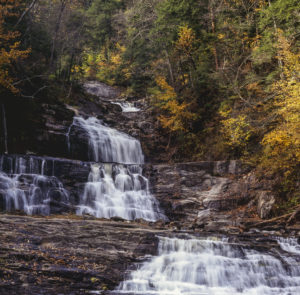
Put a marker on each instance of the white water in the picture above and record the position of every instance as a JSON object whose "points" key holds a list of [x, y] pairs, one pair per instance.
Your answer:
{"points": [[127, 107], [117, 190], [109, 145], [195, 267], [26, 188], [289, 245]]}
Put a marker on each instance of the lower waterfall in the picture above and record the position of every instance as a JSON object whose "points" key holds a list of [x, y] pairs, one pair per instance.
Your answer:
{"points": [[115, 190], [212, 267], [24, 187]]}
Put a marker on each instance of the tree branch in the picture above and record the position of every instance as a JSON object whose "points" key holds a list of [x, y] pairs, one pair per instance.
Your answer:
{"points": [[25, 12], [34, 94]]}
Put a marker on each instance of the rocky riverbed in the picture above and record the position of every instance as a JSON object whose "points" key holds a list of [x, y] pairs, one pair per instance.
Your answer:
{"points": [[81, 255], [69, 255]]}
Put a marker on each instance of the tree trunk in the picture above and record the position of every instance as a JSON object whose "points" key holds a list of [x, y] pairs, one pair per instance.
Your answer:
{"points": [[215, 53], [170, 68], [280, 64], [61, 11], [25, 12]]}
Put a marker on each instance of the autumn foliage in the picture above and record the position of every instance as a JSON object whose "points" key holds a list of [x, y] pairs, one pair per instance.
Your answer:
{"points": [[10, 51], [282, 143], [177, 115]]}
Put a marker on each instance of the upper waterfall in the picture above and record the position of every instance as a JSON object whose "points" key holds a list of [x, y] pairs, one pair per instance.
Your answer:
{"points": [[107, 144]]}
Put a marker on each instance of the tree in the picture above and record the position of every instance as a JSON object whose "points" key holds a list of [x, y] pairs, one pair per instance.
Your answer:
{"points": [[10, 52], [100, 22], [177, 117], [282, 143]]}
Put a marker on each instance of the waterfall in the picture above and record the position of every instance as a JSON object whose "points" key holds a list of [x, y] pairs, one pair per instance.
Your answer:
{"points": [[207, 266], [4, 129], [109, 145], [25, 187], [118, 190], [126, 107], [289, 245], [68, 137]]}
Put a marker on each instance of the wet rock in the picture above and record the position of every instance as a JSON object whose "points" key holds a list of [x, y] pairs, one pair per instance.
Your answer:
{"points": [[184, 189], [62, 181], [265, 203], [2, 201], [101, 90], [68, 256], [205, 216]]}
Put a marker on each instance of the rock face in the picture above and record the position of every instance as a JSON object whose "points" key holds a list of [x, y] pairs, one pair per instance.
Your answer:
{"points": [[101, 90], [187, 188], [37, 128], [265, 203], [66, 256], [205, 195]]}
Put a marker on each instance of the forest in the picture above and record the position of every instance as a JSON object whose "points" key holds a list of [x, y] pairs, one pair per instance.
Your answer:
{"points": [[149, 147], [222, 76]]}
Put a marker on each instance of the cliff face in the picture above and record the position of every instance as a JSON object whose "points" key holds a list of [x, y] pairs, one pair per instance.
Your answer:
{"points": [[220, 196]]}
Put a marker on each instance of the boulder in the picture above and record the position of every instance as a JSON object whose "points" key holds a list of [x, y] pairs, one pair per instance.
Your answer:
{"points": [[101, 90]]}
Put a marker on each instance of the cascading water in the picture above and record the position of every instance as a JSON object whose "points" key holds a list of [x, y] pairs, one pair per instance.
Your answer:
{"points": [[126, 107], [289, 245], [23, 186], [109, 145], [210, 267], [118, 190]]}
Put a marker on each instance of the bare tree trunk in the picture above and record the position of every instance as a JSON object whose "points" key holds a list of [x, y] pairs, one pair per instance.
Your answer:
{"points": [[280, 64], [61, 11], [70, 68], [215, 53], [170, 68], [25, 12]]}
